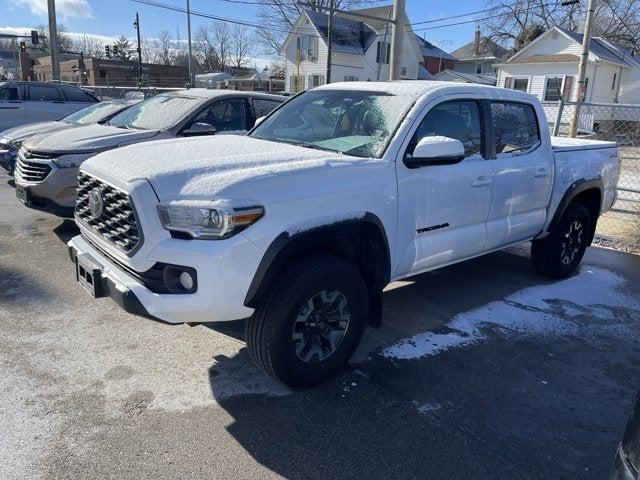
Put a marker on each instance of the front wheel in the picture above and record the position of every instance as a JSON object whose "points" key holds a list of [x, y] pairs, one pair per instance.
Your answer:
{"points": [[310, 322], [559, 254]]}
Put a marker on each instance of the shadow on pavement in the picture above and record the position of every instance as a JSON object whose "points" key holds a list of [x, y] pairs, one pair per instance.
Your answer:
{"points": [[66, 230], [508, 407], [16, 287]]}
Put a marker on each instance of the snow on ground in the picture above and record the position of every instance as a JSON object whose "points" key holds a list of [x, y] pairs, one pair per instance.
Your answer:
{"points": [[549, 309]]}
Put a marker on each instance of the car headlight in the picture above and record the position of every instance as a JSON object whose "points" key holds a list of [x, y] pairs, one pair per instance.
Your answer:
{"points": [[207, 222]]}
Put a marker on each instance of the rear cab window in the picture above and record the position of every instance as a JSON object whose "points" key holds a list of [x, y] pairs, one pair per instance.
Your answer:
{"points": [[515, 127], [9, 94], [43, 93], [77, 95], [263, 107]]}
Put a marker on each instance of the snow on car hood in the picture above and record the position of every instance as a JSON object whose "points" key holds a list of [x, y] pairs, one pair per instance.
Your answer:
{"points": [[196, 168], [86, 138], [18, 134]]}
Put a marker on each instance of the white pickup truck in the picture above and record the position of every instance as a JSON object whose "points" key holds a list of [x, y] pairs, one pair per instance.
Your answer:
{"points": [[299, 225]]}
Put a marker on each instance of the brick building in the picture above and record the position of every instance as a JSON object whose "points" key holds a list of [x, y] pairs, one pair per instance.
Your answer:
{"points": [[434, 59], [106, 72]]}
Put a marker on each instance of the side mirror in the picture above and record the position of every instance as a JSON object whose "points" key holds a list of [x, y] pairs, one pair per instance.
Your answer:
{"points": [[435, 150], [199, 129], [259, 120]]}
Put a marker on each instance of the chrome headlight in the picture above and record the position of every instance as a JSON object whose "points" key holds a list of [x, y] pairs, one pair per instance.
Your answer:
{"points": [[207, 222]]}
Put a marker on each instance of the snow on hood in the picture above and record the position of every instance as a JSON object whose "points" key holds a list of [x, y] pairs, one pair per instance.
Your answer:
{"points": [[86, 138], [194, 168], [18, 134]]}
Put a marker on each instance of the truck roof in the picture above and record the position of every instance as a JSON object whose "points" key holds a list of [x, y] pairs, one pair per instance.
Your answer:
{"points": [[206, 93], [419, 88]]}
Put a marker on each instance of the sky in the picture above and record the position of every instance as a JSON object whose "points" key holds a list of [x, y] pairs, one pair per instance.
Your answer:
{"points": [[112, 18]]}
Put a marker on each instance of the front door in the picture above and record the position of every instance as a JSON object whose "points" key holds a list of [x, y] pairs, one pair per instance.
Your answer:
{"points": [[523, 175], [443, 209]]}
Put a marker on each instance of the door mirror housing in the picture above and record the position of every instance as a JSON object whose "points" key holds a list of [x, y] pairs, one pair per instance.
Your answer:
{"points": [[435, 150], [259, 120], [199, 129]]}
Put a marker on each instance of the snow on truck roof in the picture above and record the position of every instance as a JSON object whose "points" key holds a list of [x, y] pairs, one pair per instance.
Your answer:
{"points": [[207, 93], [419, 88]]}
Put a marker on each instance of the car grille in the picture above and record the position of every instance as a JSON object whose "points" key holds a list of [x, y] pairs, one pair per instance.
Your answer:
{"points": [[117, 224], [32, 171]]}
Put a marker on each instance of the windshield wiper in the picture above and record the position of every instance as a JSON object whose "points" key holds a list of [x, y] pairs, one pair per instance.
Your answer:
{"points": [[316, 147]]}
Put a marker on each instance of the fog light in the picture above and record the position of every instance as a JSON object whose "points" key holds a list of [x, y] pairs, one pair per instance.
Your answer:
{"points": [[186, 281]]}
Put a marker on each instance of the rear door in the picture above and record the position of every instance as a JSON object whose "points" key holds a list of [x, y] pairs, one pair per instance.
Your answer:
{"points": [[523, 174], [443, 209], [12, 108]]}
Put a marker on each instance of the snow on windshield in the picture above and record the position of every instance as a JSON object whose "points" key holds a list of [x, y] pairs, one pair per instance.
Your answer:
{"points": [[156, 113], [95, 113], [353, 122]]}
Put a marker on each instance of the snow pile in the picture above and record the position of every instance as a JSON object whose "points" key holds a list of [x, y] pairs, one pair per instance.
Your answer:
{"points": [[540, 310]]}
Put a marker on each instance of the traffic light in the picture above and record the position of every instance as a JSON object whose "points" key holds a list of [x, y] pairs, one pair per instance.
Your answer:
{"points": [[23, 47], [115, 50], [107, 51], [34, 37]]}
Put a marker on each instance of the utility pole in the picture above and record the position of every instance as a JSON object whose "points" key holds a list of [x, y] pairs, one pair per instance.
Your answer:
{"points": [[330, 39], [582, 68], [53, 41], [397, 35], [137, 25], [189, 40]]}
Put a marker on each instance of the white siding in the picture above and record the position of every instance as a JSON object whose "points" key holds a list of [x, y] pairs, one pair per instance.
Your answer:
{"points": [[549, 45], [601, 91], [630, 86], [537, 80], [307, 68]]}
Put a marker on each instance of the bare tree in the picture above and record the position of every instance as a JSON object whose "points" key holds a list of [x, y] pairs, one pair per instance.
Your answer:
{"points": [[165, 48], [149, 51], [518, 21], [214, 47], [242, 45], [64, 41], [278, 17], [90, 46]]}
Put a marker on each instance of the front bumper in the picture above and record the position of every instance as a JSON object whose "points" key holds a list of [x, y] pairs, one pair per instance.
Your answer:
{"points": [[55, 194], [224, 274]]}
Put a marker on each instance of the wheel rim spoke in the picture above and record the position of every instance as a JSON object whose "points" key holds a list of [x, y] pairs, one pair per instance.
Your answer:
{"points": [[320, 326]]}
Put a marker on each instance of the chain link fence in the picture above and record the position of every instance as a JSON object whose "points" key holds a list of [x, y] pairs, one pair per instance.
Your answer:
{"points": [[620, 227]]}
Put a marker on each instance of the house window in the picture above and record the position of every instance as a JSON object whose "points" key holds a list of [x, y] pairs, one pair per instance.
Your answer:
{"points": [[478, 68], [521, 84], [103, 74], [293, 83], [507, 82], [383, 52], [308, 47], [316, 80], [350, 78], [613, 84], [553, 89]]}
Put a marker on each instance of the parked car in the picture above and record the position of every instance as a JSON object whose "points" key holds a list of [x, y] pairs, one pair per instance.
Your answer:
{"points": [[301, 224], [11, 140], [626, 465], [30, 102], [47, 167]]}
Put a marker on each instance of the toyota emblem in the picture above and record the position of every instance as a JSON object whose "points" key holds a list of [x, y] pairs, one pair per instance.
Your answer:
{"points": [[96, 203]]}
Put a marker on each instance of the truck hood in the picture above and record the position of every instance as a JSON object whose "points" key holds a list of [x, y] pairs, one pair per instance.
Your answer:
{"points": [[85, 139], [201, 168], [19, 134]]}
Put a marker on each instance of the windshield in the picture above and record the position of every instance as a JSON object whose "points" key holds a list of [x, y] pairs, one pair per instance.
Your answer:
{"points": [[156, 113], [358, 123], [95, 113]]}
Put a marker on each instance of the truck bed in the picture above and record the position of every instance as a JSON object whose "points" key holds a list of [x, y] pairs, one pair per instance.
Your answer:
{"points": [[564, 144]]}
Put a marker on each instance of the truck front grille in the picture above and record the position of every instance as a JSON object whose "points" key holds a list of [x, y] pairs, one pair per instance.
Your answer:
{"points": [[31, 171], [108, 212]]}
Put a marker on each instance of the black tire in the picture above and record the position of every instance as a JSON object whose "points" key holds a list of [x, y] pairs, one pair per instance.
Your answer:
{"points": [[270, 331], [559, 254]]}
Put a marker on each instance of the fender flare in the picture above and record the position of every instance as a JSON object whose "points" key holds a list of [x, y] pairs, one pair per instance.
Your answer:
{"points": [[285, 246], [572, 192]]}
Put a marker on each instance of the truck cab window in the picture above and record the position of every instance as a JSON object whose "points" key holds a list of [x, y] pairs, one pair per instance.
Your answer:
{"points": [[459, 120], [515, 127], [9, 94]]}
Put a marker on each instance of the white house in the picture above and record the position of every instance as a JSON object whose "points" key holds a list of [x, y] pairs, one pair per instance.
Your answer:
{"points": [[548, 68], [479, 57], [360, 49]]}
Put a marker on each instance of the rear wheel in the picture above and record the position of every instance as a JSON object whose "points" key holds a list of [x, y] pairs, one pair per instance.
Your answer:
{"points": [[559, 254], [310, 323]]}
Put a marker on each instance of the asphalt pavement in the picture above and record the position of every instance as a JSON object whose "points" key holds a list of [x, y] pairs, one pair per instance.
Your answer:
{"points": [[482, 370]]}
